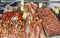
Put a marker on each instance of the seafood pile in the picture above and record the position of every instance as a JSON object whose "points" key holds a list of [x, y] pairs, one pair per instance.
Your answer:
{"points": [[31, 23], [15, 25], [12, 29], [11, 15], [49, 21]]}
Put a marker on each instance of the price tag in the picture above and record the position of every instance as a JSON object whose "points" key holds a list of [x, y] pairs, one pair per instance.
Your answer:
{"points": [[40, 5], [24, 14], [22, 5], [56, 10], [22, 8]]}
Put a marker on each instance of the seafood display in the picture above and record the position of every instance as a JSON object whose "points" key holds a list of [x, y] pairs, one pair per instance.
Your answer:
{"points": [[17, 24], [15, 28], [32, 22], [49, 21]]}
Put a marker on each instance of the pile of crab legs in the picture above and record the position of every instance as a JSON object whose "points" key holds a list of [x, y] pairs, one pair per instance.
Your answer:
{"points": [[34, 25]]}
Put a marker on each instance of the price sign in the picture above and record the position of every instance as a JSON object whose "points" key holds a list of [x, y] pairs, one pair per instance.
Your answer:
{"points": [[22, 5]]}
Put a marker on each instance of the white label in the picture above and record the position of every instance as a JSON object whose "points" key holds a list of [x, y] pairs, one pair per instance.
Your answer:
{"points": [[40, 5]]}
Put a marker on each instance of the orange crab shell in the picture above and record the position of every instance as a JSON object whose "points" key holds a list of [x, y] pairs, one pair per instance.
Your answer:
{"points": [[9, 15]]}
